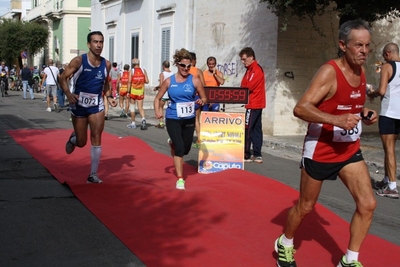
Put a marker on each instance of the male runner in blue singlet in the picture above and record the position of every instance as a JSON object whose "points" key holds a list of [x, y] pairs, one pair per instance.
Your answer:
{"points": [[90, 81]]}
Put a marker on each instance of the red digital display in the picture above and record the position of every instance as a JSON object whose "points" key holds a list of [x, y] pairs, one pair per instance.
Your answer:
{"points": [[230, 95]]}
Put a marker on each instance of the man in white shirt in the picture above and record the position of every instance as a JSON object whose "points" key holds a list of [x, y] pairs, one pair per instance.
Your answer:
{"points": [[50, 74]]}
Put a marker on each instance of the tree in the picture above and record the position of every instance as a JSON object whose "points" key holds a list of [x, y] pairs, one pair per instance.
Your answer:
{"points": [[17, 36], [370, 11]]}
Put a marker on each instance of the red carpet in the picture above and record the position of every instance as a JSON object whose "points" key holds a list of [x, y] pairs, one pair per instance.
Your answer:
{"points": [[231, 218]]}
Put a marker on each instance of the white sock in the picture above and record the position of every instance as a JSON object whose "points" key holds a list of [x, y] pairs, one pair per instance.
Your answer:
{"points": [[143, 118], [133, 123], [351, 256], [95, 153], [392, 185], [286, 241]]}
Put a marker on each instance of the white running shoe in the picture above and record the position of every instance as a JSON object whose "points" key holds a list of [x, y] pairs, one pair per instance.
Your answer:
{"points": [[180, 184]]}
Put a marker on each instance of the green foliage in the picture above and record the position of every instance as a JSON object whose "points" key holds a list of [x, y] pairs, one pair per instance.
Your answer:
{"points": [[17, 36], [370, 11]]}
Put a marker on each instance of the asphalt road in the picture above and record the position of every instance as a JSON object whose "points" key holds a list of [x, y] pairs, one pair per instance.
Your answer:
{"points": [[43, 224]]}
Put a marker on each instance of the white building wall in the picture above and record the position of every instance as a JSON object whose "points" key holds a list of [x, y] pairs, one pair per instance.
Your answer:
{"points": [[224, 28], [122, 18], [68, 12], [70, 28]]}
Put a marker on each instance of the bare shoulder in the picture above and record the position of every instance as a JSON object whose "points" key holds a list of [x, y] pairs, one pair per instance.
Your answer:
{"points": [[325, 73]]}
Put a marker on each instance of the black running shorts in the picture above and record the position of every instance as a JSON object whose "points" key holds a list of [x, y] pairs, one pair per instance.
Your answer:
{"points": [[327, 171], [388, 125]]}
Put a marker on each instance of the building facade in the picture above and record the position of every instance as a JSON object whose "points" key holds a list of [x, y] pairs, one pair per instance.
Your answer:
{"points": [[18, 9], [152, 30], [68, 23]]}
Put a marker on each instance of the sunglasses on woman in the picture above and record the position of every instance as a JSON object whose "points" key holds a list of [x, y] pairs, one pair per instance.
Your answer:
{"points": [[184, 65]]}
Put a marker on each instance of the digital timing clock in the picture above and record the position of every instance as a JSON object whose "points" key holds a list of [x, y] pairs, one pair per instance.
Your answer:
{"points": [[231, 95]]}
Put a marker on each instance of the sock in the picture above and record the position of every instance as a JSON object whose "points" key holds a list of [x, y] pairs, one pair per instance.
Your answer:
{"points": [[392, 185], [351, 256], [73, 140], [386, 179], [133, 123], [95, 153], [143, 119], [286, 241]]}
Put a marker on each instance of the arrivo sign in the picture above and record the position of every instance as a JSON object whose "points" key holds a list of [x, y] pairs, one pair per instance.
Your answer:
{"points": [[233, 95]]}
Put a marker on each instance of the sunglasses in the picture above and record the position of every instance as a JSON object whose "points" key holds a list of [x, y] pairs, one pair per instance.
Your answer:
{"points": [[184, 65]]}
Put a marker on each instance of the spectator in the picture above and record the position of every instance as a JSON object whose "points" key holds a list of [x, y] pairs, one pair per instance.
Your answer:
{"points": [[389, 118], [26, 75], [198, 73], [165, 74], [114, 78], [254, 80], [60, 92], [49, 76], [212, 77], [4, 71]]}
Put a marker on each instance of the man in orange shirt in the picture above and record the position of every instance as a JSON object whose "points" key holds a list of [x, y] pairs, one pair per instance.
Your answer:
{"points": [[138, 80], [197, 73], [124, 82]]}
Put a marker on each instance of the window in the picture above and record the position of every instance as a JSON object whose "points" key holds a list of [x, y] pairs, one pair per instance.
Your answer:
{"points": [[111, 49], [165, 44], [135, 45]]}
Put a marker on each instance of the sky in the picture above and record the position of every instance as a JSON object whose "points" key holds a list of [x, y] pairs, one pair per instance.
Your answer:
{"points": [[4, 6]]}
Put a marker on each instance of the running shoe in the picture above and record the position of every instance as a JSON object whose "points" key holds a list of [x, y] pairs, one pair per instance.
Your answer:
{"points": [[56, 108], [143, 126], [94, 179], [69, 146], [131, 126], [257, 159], [180, 184], [343, 263], [122, 115], [248, 159], [160, 126], [48, 109], [387, 192], [106, 117], [285, 254], [380, 184]]}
